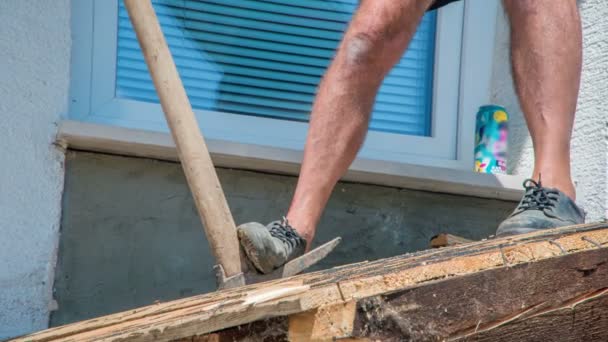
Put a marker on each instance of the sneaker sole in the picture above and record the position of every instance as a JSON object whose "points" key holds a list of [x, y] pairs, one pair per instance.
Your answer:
{"points": [[250, 250]]}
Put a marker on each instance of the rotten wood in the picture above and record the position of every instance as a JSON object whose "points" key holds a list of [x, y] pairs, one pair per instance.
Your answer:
{"points": [[583, 319], [442, 293], [490, 302], [327, 321], [268, 330]]}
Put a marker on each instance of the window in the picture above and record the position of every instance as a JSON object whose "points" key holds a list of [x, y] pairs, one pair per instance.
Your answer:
{"points": [[251, 68], [266, 58]]}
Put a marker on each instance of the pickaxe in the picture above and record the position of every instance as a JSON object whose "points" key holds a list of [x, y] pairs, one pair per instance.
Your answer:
{"points": [[232, 268]]}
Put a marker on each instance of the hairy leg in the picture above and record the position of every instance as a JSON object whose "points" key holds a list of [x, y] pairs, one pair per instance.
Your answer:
{"points": [[546, 53], [375, 40]]}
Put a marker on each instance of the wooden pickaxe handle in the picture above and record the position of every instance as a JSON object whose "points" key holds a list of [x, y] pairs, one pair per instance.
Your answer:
{"points": [[192, 150]]}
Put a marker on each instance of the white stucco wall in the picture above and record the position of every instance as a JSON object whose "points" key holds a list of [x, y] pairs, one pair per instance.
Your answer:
{"points": [[589, 160], [34, 74]]}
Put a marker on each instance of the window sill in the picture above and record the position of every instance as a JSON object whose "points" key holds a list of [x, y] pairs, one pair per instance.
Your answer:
{"points": [[141, 143]]}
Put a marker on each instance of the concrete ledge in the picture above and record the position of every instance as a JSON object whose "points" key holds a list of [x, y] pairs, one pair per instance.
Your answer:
{"points": [[141, 143]]}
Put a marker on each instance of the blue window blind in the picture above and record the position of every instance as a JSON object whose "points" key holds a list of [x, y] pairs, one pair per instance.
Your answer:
{"points": [[266, 58]]}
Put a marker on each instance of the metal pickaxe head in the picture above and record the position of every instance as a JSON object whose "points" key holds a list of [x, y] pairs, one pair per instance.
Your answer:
{"points": [[291, 268]]}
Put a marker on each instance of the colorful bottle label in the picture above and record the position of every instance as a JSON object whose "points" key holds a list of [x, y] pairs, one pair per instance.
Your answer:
{"points": [[491, 134]]}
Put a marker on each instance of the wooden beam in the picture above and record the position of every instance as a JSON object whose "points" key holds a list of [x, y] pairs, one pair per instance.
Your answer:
{"points": [[490, 302], [445, 293], [583, 319], [557, 299], [323, 324]]}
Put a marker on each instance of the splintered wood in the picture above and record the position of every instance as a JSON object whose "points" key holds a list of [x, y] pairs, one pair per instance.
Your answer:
{"points": [[446, 240], [551, 285]]}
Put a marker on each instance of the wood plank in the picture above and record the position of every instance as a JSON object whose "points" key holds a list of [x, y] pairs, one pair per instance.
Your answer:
{"points": [[584, 320], [269, 330], [489, 301], [324, 323], [581, 251], [560, 298]]}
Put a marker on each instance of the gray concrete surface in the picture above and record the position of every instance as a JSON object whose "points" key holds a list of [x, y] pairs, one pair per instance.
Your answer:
{"points": [[131, 235], [34, 78]]}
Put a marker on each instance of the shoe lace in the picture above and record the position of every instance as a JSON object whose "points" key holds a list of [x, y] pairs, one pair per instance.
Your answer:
{"points": [[285, 232], [538, 198]]}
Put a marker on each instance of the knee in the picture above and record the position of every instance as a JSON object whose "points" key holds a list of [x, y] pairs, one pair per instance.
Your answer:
{"points": [[370, 48], [380, 32], [362, 48]]}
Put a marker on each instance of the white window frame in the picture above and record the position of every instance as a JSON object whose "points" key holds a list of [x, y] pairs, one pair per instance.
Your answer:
{"points": [[462, 73]]}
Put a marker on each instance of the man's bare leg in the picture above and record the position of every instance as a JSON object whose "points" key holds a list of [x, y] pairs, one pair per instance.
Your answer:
{"points": [[375, 40], [546, 52]]}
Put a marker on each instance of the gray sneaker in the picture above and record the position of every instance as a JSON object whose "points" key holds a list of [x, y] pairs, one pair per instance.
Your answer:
{"points": [[270, 247], [541, 208]]}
